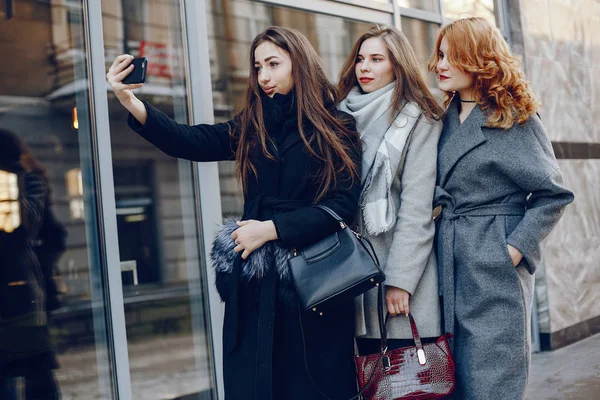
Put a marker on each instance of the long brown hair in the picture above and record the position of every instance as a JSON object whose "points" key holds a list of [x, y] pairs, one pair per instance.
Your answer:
{"points": [[476, 47], [410, 84], [314, 95]]}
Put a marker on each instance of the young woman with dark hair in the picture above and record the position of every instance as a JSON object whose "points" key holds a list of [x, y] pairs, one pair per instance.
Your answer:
{"points": [[292, 150]]}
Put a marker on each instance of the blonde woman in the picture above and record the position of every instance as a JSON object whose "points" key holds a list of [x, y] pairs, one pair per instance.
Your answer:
{"points": [[399, 122]]}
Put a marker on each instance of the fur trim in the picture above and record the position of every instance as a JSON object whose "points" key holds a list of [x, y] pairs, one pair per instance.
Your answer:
{"points": [[254, 267]]}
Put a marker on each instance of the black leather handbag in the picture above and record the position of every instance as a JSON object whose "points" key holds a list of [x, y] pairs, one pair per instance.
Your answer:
{"points": [[339, 267]]}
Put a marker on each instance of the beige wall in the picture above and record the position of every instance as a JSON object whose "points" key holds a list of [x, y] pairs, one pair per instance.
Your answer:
{"points": [[562, 56]]}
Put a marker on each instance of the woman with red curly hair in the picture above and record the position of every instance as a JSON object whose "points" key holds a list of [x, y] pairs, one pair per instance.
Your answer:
{"points": [[501, 193]]}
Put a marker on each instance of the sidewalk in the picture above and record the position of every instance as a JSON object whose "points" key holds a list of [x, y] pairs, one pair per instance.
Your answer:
{"points": [[572, 372], [165, 368]]}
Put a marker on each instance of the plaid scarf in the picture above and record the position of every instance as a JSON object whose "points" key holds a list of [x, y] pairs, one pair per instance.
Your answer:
{"points": [[385, 142]]}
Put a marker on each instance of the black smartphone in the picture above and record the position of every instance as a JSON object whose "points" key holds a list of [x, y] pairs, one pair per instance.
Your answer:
{"points": [[138, 75]]}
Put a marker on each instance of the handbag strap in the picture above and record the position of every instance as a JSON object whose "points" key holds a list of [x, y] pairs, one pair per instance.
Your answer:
{"points": [[332, 213], [383, 328], [415, 332], [360, 237], [382, 321]]}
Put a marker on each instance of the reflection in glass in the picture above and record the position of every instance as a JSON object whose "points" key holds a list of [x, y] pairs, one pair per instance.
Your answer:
{"points": [[27, 357], [74, 183], [10, 215], [168, 344], [426, 5], [455, 9], [55, 261], [232, 24]]}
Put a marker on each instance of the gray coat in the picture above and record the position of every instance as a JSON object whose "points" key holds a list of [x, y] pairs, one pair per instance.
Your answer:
{"points": [[406, 251], [496, 187]]}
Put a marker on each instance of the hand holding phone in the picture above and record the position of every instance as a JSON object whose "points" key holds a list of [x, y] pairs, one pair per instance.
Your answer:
{"points": [[125, 74], [138, 75]]}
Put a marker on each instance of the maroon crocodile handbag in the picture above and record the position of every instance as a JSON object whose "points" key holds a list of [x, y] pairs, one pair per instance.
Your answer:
{"points": [[415, 372]]}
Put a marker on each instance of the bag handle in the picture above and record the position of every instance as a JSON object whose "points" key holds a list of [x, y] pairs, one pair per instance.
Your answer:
{"points": [[383, 358], [383, 330], [360, 237], [333, 214]]}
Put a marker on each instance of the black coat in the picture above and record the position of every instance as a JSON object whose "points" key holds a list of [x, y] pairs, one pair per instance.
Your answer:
{"points": [[263, 355]]}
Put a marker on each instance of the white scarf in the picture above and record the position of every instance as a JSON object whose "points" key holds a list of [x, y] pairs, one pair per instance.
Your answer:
{"points": [[385, 141]]}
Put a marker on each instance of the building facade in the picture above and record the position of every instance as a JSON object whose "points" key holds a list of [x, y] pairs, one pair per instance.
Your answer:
{"points": [[140, 318]]}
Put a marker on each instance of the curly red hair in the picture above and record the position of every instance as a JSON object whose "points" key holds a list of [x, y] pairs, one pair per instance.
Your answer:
{"points": [[478, 48]]}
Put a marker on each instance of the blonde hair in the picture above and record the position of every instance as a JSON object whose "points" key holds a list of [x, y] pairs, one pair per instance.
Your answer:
{"points": [[476, 47], [410, 84]]}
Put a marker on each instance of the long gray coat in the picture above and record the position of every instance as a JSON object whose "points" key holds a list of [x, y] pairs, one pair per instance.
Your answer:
{"points": [[484, 179], [406, 251]]}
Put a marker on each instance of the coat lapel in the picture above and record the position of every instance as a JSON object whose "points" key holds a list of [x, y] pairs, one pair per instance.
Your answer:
{"points": [[291, 138], [464, 138]]}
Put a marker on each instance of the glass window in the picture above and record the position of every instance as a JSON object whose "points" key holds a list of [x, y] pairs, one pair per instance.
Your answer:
{"points": [[455, 9], [52, 315], [422, 36], [232, 26], [426, 5], [167, 335]]}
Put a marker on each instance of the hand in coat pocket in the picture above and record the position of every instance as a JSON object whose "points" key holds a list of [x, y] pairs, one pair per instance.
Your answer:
{"points": [[515, 255]]}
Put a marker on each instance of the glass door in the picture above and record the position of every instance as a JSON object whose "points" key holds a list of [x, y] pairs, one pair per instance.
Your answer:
{"points": [[168, 339], [53, 330]]}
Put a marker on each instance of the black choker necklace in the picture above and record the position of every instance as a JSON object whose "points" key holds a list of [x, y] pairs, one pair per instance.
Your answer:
{"points": [[468, 101]]}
